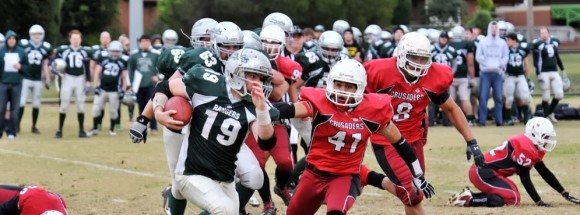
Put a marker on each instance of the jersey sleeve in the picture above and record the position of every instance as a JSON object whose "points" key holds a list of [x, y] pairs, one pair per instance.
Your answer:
{"points": [[168, 60], [291, 70], [311, 96], [198, 56], [310, 67], [194, 76], [274, 113], [382, 103]]}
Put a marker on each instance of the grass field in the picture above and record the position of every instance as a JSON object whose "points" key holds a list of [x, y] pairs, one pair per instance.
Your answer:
{"points": [[110, 175]]}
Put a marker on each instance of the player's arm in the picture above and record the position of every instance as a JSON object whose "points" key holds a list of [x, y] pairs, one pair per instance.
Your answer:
{"points": [[45, 70], [470, 65], [97, 75], [124, 79], [279, 86], [526, 180], [301, 109], [262, 128], [551, 180], [163, 91], [558, 59]]}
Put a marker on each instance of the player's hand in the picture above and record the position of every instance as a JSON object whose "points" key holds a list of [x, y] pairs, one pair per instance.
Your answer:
{"points": [[422, 184], [47, 85], [138, 131], [570, 198], [541, 203], [258, 97], [98, 91], [473, 149], [164, 117]]}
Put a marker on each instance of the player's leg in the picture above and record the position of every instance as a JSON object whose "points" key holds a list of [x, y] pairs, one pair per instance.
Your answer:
{"points": [[97, 111], [284, 164], [558, 88], [309, 195], [509, 89], [36, 97], [341, 194], [463, 95], [79, 85], [114, 104], [26, 85], [250, 174], [264, 191], [15, 91], [544, 80], [523, 96], [175, 202], [65, 96], [496, 189], [212, 196], [3, 105], [474, 95]]}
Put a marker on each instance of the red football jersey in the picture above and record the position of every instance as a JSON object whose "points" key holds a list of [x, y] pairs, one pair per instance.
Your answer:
{"points": [[517, 150], [8, 192], [409, 100], [35, 201], [291, 70], [339, 138]]}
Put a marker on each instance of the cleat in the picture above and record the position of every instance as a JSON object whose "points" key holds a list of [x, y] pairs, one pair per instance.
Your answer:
{"points": [[11, 136], [254, 202], [552, 117], [269, 209], [58, 135], [112, 133], [35, 130], [165, 194], [461, 199], [284, 194], [83, 134], [93, 132]]}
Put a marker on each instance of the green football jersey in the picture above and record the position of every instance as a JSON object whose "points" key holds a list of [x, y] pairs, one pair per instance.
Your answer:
{"points": [[199, 56], [97, 53], [443, 55], [36, 54], [475, 63], [387, 49], [515, 65], [74, 59], [463, 48], [546, 51], [313, 67], [220, 125], [111, 73], [168, 60]]}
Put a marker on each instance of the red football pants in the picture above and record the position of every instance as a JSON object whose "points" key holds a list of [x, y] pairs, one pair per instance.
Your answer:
{"points": [[281, 153], [339, 193], [490, 182]]}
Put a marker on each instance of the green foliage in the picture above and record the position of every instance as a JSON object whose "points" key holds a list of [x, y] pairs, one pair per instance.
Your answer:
{"points": [[481, 20], [402, 13], [439, 11], [90, 17], [19, 15], [485, 4]]}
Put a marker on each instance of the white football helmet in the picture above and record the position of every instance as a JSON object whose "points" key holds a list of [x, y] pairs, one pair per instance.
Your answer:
{"points": [[458, 33], [169, 38], [541, 131], [226, 34], [252, 40], [115, 49], [414, 54], [248, 60], [372, 33], [423, 31], [200, 30], [386, 36], [331, 44], [273, 40], [340, 26], [510, 28], [58, 66], [357, 34], [2, 40], [434, 36], [36, 33], [502, 28], [349, 71], [281, 20]]}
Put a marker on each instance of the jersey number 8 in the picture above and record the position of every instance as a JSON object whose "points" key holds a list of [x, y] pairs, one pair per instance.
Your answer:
{"points": [[403, 112]]}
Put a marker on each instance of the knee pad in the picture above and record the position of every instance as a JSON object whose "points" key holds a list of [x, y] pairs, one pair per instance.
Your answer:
{"points": [[494, 201], [223, 207], [253, 179], [175, 192], [113, 113], [559, 94], [64, 105]]}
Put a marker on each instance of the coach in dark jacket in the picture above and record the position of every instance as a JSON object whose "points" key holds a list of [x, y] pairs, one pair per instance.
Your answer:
{"points": [[13, 62]]}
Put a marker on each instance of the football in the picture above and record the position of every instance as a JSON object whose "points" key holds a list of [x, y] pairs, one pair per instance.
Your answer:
{"points": [[183, 108]]}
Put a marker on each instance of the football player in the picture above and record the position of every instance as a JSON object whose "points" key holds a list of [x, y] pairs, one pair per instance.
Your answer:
{"points": [[73, 80], [31, 200], [547, 60], [413, 81], [343, 120], [225, 109], [372, 36], [109, 72], [515, 83], [169, 38], [388, 48], [38, 51], [443, 53], [463, 73], [517, 155], [98, 53]]}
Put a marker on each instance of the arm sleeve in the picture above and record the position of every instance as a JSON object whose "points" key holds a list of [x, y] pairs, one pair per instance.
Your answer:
{"points": [[10, 207], [558, 60], [548, 176], [438, 98], [287, 111], [524, 174]]}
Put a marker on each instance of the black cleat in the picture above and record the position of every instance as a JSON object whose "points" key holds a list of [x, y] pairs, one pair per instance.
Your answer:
{"points": [[83, 134], [35, 130], [58, 135]]}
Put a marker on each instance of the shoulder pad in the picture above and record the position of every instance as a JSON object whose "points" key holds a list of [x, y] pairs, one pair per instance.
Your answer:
{"points": [[125, 57], [24, 42], [451, 49], [535, 40], [96, 47], [46, 45], [378, 42], [524, 45], [86, 48], [387, 44], [63, 46], [134, 51], [155, 51]]}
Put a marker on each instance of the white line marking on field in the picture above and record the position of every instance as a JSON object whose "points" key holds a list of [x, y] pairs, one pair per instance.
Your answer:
{"points": [[85, 163]]}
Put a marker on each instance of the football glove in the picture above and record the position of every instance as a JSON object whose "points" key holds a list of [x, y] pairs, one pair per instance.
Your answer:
{"points": [[47, 85], [98, 91], [473, 149], [570, 198], [425, 186], [138, 131], [543, 204]]}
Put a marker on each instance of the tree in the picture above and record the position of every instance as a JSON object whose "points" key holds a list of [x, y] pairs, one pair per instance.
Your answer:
{"points": [[19, 15], [402, 13], [89, 17], [485, 4], [445, 12], [481, 20]]}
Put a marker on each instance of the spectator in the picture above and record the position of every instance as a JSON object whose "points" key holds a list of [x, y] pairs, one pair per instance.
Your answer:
{"points": [[295, 43], [13, 62], [309, 41], [388, 48], [492, 56], [143, 74], [354, 49], [318, 29], [157, 42]]}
